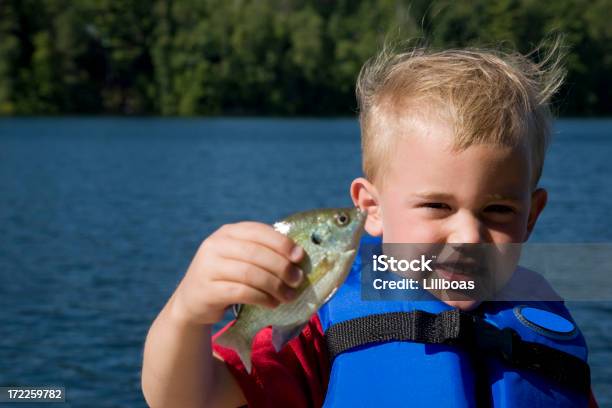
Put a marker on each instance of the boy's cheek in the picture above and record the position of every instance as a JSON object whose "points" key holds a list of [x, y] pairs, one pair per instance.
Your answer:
{"points": [[410, 229], [511, 232]]}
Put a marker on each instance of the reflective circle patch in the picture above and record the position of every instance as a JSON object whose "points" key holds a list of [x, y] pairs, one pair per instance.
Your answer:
{"points": [[545, 322]]}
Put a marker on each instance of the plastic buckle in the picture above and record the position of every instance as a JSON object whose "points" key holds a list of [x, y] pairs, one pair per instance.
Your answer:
{"points": [[503, 342], [509, 340]]}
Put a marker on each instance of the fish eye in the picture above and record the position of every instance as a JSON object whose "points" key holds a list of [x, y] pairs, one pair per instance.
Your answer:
{"points": [[342, 219], [315, 238]]}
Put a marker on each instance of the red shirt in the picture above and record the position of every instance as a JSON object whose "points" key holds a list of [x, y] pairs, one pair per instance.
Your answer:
{"points": [[297, 376]]}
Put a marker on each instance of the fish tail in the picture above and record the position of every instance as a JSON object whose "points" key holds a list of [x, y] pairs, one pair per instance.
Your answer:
{"points": [[238, 341]]}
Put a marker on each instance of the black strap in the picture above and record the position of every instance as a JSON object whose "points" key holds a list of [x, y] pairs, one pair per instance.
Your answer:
{"points": [[464, 330]]}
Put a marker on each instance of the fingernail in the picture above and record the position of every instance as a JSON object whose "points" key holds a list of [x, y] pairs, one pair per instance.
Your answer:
{"points": [[295, 276], [289, 293], [296, 253]]}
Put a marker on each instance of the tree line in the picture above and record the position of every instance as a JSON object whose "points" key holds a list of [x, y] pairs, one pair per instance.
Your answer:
{"points": [[264, 57]]}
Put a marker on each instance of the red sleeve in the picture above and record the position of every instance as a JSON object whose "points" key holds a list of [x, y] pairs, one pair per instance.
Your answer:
{"points": [[297, 376], [593, 401]]}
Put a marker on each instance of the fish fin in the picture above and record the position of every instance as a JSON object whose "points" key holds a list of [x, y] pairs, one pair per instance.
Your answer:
{"points": [[327, 262], [237, 341], [324, 265], [333, 292], [282, 334], [236, 309]]}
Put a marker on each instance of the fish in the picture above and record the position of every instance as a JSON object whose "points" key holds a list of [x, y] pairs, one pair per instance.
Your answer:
{"points": [[330, 238]]}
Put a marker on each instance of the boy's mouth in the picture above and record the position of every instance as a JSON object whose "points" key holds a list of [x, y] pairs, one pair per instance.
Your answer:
{"points": [[458, 271]]}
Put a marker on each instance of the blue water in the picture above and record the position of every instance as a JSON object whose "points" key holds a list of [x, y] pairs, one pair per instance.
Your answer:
{"points": [[100, 218]]}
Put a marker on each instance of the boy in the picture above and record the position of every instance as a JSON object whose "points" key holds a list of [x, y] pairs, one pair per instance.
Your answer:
{"points": [[453, 148]]}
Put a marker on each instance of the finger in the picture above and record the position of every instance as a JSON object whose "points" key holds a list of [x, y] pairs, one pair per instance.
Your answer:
{"points": [[255, 277], [267, 236], [229, 292], [263, 257]]}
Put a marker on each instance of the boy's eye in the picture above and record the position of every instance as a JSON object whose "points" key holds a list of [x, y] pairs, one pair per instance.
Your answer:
{"points": [[436, 206], [501, 209]]}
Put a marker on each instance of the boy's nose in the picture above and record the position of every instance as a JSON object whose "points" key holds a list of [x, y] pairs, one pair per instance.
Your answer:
{"points": [[468, 229]]}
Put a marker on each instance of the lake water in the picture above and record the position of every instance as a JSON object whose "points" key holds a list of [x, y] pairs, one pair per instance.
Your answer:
{"points": [[100, 218]]}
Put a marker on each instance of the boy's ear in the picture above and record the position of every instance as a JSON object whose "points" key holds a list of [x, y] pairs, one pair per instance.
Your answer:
{"points": [[365, 196], [538, 201]]}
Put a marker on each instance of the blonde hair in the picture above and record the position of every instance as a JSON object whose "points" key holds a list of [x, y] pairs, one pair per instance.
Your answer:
{"points": [[491, 97]]}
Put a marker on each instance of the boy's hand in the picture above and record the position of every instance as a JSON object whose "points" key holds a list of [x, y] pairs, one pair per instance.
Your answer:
{"points": [[247, 262]]}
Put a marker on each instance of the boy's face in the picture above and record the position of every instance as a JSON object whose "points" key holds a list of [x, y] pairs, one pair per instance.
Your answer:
{"points": [[433, 194]]}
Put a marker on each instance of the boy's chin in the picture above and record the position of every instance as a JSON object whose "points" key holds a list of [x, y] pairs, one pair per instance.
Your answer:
{"points": [[465, 305]]}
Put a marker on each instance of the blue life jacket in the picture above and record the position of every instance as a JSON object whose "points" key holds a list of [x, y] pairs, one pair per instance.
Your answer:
{"points": [[416, 374]]}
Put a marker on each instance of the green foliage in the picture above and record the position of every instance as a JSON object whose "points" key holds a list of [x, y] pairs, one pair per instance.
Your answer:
{"points": [[281, 57]]}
